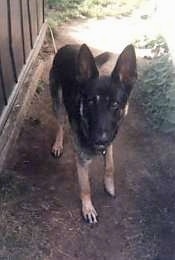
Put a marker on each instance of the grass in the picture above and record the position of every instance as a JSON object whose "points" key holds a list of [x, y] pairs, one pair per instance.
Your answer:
{"points": [[60, 11]]}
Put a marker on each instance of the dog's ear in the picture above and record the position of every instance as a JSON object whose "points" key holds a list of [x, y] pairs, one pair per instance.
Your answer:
{"points": [[86, 67], [126, 69]]}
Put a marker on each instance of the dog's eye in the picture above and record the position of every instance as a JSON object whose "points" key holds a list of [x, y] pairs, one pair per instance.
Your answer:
{"points": [[115, 105], [90, 102]]}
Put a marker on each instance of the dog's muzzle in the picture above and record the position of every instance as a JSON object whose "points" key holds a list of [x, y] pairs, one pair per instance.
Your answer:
{"points": [[100, 148]]}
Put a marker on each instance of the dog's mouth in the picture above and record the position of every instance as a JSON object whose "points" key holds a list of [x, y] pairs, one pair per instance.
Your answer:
{"points": [[101, 149]]}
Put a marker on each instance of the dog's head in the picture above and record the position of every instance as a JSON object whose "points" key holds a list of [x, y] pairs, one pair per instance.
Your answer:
{"points": [[103, 99]]}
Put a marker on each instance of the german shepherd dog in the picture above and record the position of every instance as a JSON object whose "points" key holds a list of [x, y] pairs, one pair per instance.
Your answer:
{"points": [[95, 106]]}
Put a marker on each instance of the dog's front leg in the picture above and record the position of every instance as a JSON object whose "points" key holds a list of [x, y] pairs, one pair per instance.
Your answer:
{"points": [[57, 148], [109, 172], [88, 210]]}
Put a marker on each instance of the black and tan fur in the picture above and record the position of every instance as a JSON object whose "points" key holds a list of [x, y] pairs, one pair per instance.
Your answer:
{"points": [[95, 106]]}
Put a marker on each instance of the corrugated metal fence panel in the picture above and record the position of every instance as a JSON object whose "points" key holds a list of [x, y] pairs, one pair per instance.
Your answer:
{"points": [[16, 35], [2, 99], [40, 12], [6, 62], [26, 29], [20, 22], [33, 17]]}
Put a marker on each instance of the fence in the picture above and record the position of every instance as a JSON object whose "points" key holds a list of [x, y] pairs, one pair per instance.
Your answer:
{"points": [[20, 24]]}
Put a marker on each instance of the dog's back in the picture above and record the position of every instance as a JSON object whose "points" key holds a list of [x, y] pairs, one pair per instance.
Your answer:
{"points": [[63, 74]]}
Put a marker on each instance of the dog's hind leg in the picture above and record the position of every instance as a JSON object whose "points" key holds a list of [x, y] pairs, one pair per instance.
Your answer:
{"points": [[109, 172], [88, 210], [59, 110]]}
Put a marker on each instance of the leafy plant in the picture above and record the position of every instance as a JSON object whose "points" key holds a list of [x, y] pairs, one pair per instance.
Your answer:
{"points": [[157, 45], [157, 88], [64, 10]]}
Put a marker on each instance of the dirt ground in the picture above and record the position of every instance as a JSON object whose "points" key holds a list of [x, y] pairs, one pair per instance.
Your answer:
{"points": [[40, 206]]}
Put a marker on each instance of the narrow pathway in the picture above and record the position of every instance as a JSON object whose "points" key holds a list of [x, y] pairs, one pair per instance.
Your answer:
{"points": [[137, 225]]}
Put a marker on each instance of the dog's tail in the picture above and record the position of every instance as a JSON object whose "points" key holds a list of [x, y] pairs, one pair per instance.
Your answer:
{"points": [[102, 58]]}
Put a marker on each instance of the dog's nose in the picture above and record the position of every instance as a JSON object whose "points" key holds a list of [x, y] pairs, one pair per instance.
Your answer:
{"points": [[104, 137], [101, 139]]}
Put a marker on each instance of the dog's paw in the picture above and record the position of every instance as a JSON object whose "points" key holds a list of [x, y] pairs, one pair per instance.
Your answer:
{"points": [[57, 150], [89, 213], [109, 186]]}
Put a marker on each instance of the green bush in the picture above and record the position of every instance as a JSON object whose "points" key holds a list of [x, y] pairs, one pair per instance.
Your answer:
{"points": [[157, 90], [64, 10]]}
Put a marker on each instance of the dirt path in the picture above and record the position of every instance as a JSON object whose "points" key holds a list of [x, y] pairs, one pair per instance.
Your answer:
{"points": [[40, 218]]}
